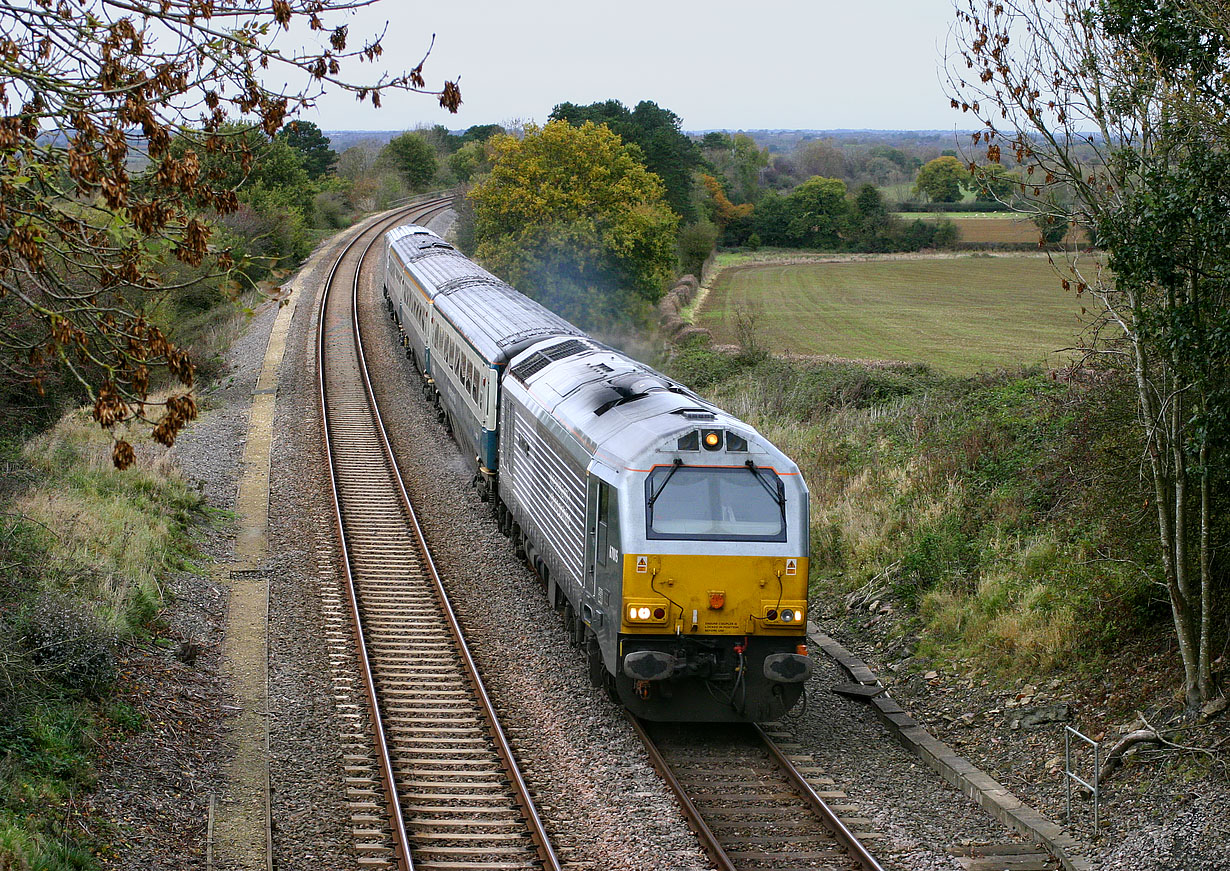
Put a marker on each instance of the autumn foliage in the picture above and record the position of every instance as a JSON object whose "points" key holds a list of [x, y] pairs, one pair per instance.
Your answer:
{"points": [[115, 118], [571, 216]]}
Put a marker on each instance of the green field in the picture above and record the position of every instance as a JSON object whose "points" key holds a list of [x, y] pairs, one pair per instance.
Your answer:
{"points": [[960, 315]]}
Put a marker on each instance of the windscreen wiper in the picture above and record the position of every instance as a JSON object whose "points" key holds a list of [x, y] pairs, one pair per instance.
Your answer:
{"points": [[772, 491], [675, 468]]}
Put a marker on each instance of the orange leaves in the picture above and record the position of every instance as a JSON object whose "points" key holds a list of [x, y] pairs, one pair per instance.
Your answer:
{"points": [[122, 455], [109, 409], [724, 211], [180, 410]]}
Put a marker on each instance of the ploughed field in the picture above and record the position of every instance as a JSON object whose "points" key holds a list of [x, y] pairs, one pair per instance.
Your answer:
{"points": [[1000, 228], [959, 315]]}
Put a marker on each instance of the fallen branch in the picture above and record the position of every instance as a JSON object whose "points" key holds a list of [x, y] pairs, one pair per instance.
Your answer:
{"points": [[1115, 757]]}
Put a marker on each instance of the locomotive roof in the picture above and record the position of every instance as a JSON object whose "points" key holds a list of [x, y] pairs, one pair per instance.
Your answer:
{"points": [[620, 408]]}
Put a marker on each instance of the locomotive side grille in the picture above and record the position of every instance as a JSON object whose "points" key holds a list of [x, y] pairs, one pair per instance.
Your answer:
{"points": [[553, 493]]}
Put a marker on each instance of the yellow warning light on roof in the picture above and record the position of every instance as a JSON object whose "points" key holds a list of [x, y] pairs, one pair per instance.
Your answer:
{"points": [[711, 439]]}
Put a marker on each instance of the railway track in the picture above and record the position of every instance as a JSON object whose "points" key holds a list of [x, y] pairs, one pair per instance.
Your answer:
{"points": [[749, 802], [436, 785]]}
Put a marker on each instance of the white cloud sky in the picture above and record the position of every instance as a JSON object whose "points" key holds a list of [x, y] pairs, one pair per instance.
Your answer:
{"points": [[823, 64]]}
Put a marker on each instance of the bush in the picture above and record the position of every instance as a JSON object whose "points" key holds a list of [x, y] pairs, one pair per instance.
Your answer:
{"points": [[331, 210], [696, 243], [69, 646]]}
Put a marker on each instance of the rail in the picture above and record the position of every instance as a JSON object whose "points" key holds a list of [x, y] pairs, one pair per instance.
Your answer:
{"points": [[529, 814]]}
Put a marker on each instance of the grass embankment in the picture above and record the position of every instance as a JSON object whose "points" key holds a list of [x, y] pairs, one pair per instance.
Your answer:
{"points": [[1001, 511], [83, 550], [960, 314]]}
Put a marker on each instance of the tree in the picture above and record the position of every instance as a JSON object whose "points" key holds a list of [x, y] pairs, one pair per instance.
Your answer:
{"points": [[481, 133], [994, 183], [940, 180], [666, 151], [312, 145], [91, 89], [819, 213], [571, 217], [1118, 109], [469, 161], [412, 156], [771, 220]]}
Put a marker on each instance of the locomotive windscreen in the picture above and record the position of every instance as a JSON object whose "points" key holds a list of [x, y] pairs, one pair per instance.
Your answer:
{"points": [[708, 503]]}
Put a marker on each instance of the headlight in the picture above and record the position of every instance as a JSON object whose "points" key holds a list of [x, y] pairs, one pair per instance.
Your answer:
{"points": [[787, 616], [645, 613]]}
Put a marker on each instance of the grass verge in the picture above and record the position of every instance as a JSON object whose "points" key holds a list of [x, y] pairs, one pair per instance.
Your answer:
{"points": [[85, 550], [1000, 513]]}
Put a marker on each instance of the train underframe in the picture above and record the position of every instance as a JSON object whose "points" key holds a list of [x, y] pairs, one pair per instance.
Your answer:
{"points": [[715, 678]]}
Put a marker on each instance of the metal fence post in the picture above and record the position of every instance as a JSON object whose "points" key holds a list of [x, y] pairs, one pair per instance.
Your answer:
{"points": [[1069, 775]]}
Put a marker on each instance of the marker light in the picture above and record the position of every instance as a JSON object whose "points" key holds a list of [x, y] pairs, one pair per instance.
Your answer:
{"points": [[632, 613], [771, 614], [643, 613], [689, 442], [712, 439], [659, 613]]}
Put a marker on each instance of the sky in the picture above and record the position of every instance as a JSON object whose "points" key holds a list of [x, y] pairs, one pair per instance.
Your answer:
{"points": [[791, 64]]}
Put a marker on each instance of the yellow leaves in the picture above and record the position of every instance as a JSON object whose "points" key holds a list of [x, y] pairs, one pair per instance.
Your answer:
{"points": [[576, 193]]}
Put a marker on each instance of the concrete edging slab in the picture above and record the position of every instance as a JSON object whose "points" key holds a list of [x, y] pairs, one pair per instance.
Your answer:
{"points": [[960, 772]]}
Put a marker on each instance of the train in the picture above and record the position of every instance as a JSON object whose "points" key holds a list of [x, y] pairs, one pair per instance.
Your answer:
{"points": [[671, 536]]}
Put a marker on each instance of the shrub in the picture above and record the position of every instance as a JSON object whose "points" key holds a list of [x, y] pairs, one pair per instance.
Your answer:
{"points": [[68, 645]]}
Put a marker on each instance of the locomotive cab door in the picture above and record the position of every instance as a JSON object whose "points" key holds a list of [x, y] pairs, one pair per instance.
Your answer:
{"points": [[603, 575], [605, 546]]}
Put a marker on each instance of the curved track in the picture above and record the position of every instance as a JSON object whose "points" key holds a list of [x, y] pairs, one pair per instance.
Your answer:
{"points": [[449, 793], [748, 802]]}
